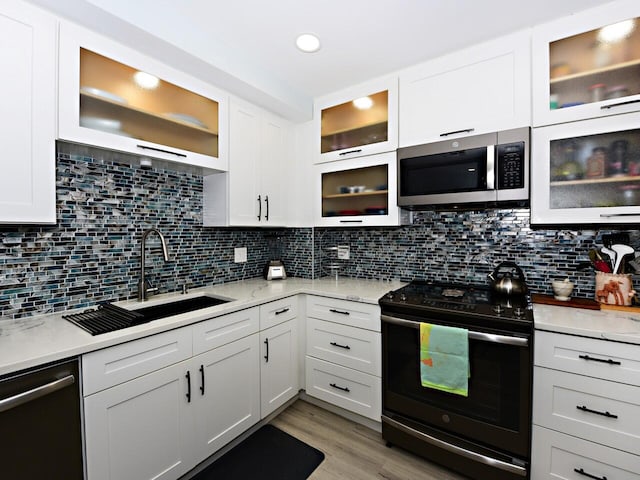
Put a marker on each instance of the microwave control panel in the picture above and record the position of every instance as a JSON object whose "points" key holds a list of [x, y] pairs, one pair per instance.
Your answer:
{"points": [[510, 165]]}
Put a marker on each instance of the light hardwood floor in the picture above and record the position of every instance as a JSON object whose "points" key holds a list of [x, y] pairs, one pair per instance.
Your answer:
{"points": [[352, 451]]}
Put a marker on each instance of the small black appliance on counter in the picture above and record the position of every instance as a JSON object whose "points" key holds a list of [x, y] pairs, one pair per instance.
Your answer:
{"points": [[274, 270]]}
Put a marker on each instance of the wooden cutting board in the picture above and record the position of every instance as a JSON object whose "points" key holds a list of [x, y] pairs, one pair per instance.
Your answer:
{"points": [[573, 302], [622, 308]]}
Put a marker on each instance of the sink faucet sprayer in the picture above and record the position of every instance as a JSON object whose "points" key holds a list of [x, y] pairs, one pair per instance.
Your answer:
{"points": [[143, 290]]}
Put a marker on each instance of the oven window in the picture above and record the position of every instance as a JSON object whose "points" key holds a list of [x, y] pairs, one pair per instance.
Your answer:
{"points": [[494, 382]]}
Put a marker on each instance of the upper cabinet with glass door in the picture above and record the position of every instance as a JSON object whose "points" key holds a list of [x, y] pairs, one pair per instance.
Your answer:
{"points": [[114, 97], [587, 172], [587, 65], [361, 120]]}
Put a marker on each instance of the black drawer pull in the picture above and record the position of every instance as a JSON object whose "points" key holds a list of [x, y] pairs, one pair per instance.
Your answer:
{"points": [[604, 414], [344, 389], [341, 312], [608, 360], [188, 375], [144, 147], [595, 477], [202, 379], [346, 347], [466, 130], [284, 310], [266, 357], [350, 151], [620, 104]]}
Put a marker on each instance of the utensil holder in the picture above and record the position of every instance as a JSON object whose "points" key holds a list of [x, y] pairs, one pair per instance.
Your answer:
{"points": [[614, 289]]}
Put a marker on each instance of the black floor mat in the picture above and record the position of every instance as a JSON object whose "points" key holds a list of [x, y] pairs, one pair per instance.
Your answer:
{"points": [[268, 454]]}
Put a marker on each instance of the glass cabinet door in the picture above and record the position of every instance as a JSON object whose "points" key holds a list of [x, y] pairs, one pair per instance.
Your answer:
{"points": [[587, 172], [118, 99]]}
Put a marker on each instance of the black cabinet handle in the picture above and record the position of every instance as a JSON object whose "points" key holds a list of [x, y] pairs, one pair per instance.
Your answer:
{"points": [[604, 414], [202, 379], [344, 389], [619, 104], [266, 200], [144, 147], [608, 360], [595, 477], [466, 130], [350, 221], [284, 310], [188, 375], [341, 312], [266, 357], [346, 347], [350, 151], [259, 207]]}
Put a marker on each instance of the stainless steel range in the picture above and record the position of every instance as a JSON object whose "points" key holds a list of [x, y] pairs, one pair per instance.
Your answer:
{"points": [[485, 435]]}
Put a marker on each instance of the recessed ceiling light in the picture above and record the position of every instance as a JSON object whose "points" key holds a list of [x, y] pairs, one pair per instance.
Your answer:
{"points": [[146, 80], [308, 42], [363, 103]]}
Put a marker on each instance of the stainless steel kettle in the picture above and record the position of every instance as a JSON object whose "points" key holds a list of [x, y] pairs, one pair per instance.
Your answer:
{"points": [[508, 279]]}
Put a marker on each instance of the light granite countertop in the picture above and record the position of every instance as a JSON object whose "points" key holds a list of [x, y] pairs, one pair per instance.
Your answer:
{"points": [[33, 341], [611, 325]]}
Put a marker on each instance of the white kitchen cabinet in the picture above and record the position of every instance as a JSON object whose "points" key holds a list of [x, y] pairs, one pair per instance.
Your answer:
{"points": [[103, 101], [358, 121], [587, 171], [343, 365], [255, 190], [484, 88], [28, 53], [581, 71], [358, 192], [279, 365], [585, 408]]}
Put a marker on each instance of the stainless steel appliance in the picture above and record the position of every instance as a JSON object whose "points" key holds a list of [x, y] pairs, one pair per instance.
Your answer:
{"points": [[486, 169], [274, 270], [40, 423], [485, 435]]}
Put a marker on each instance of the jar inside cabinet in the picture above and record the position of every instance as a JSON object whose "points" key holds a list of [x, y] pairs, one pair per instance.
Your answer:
{"points": [[118, 99], [601, 64], [359, 191]]}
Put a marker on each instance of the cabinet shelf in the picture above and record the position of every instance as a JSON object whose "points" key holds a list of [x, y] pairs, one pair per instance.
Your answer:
{"points": [[596, 71], [595, 181], [128, 108], [359, 194], [361, 127]]}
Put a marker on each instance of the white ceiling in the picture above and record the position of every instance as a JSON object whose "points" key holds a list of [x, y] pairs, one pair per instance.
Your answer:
{"points": [[251, 42]]}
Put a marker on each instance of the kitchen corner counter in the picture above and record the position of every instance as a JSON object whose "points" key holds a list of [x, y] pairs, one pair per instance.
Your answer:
{"points": [[33, 341], [617, 326]]}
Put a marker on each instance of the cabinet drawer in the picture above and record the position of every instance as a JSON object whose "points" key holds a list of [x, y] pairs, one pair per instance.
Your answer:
{"points": [[114, 365], [555, 455], [224, 329], [347, 388], [347, 346], [617, 362], [355, 314], [601, 411], [273, 313]]}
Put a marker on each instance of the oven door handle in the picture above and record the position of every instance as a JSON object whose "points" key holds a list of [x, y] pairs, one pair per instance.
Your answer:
{"points": [[494, 462], [482, 336]]}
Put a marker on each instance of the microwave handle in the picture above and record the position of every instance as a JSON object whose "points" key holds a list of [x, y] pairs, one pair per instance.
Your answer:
{"points": [[491, 167]]}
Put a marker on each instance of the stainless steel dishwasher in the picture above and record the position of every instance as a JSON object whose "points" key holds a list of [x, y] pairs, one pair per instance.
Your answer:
{"points": [[40, 427]]}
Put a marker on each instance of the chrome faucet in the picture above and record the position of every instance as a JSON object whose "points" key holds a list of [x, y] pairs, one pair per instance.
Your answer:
{"points": [[143, 289]]}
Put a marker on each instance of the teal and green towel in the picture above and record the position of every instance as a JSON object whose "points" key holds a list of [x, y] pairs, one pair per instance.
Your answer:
{"points": [[444, 358]]}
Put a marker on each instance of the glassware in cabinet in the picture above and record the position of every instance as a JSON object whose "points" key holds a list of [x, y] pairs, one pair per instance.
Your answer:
{"points": [[356, 122], [595, 71], [587, 172]]}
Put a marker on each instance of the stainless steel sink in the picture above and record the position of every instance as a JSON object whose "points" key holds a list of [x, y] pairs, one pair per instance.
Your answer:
{"points": [[177, 307]]}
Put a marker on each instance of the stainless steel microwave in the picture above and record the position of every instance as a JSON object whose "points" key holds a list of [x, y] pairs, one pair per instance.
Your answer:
{"points": [[488, 169]]}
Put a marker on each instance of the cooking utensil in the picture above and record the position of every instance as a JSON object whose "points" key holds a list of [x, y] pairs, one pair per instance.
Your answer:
{"points": [[621, 251], [598, 263], [508, 279], [611, 254]]}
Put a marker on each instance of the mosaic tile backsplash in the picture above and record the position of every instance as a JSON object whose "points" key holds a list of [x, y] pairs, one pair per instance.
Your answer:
{"points": [[105, 202]]}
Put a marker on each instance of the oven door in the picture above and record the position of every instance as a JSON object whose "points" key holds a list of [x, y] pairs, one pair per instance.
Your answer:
{"points": [[497, 411]]}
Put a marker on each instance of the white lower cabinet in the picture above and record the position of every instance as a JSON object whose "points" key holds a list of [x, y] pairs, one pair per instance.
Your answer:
{"points": [[343, 365], [586, 409], [149, 418]]}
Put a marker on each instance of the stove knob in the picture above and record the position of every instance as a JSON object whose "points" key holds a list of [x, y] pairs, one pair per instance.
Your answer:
{"points": [[403, 297], [498, 308], [390, 295], [519, 312]]}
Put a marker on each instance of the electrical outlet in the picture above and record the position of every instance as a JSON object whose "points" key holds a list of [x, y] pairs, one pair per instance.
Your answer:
{"points": [[343, 252], [240, 254]]}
